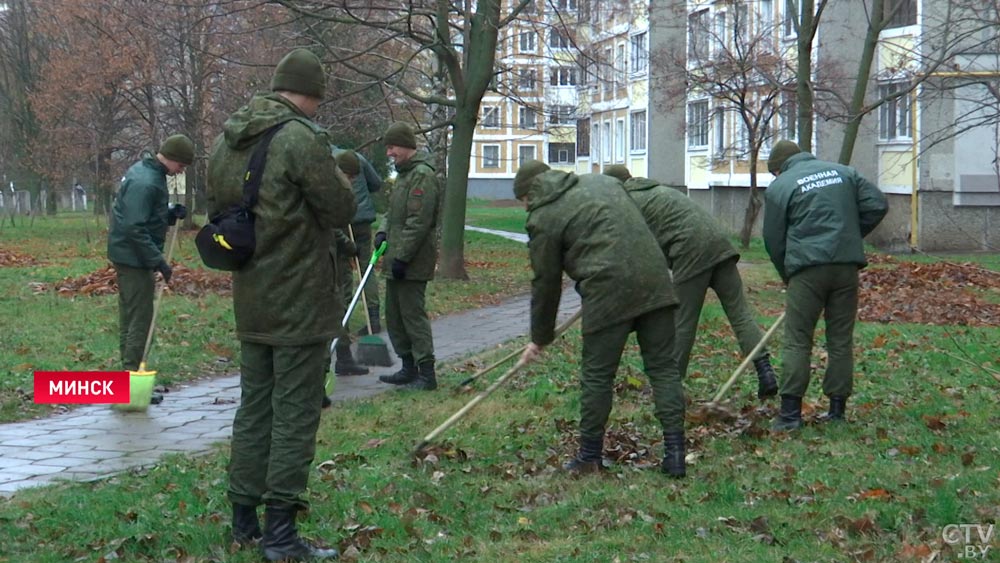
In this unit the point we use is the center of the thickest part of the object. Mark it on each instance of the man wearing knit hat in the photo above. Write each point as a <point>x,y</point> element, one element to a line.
<point>700,257</point>
<point>586,226</point>
<point>816,215</point>
<point>140,217</point>
<point>286,311</point>
<point>410,258</point>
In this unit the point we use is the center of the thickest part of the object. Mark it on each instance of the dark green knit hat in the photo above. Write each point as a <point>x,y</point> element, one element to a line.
<point>401,135</point>
<point>780,153</point>
<point>178,148</point>
<point>349,163</point>
<point>619,171</point>
<point>525,174</point>
<point>300,72</point>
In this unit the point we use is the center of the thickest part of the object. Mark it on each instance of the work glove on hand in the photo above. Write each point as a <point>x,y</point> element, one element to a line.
<point>379,239</point>
<point>165,270</point>
<point>349,248</point>
<point>175,211</point>
<point>399,269</point>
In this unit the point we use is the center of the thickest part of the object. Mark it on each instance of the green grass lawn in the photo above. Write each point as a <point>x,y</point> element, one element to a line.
<point>920,453</point>
<point>504,215</point>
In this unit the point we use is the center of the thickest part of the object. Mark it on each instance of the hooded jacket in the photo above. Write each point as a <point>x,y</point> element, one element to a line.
<point>688,235</point>
<point>588,227</point>
<point>139,216</point>
<point>283,296</point>
<point>818,212</point>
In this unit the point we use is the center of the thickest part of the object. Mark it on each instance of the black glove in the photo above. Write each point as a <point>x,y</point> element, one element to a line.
<point>399,269</point>
<point>379,239</point>
<point>349,248</point>
<point>175,211</point>
<point>165,270</point>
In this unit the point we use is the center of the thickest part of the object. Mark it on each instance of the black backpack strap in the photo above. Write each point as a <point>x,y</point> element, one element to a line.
<point>255,169</point>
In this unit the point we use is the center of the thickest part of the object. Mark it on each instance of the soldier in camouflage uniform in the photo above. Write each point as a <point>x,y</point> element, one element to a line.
<point>287,311</point>
<point>700,257</point>
<point>586,226</point>
<point>816,215</point>
<point>410,259</point>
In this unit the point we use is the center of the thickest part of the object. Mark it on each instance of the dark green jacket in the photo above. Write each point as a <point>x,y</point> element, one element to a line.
<point>690,238</point>
<point>412,219</point>
<point>818,212</point>
<point>284,295</point>
<point>587,226</point>
<point>139,215</point>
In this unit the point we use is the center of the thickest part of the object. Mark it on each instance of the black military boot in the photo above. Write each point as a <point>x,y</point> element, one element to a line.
<point>426,379</point>
<point>373,318</point>
<point>345,364</point>
<point>281,541</point>
<point>838,406</point>
<point>673,463</point>
<point>790,415</point>
<point>590,457</point>
<point>405,375</point>
<point>767,380</point>
<point>246,527</point>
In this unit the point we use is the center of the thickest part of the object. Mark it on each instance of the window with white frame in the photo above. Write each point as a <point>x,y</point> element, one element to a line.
<point>699,34</point>
<point>639,59</point>
<point>527,41</point>
<point>524,154</point>
<point>894,113</point>
<point>566,5</point>
<point>741,26</point>
<point>527,118</point>
<point>561,115</point>
<point>491,156</point>
<point>558,39</point>
<point>620,70</point>
<point>526,79</point>
<point>718,42</point>
<point>638,130</point>
<point>620,140</point>
<point>583,137</point>
<point>697,124</point>
<point>530,8</point>
<point>900,13</point>
<point>607,67</point>
<point>562,76</point>
<point>606,137</point>
<point>562,153</point>
<point>765,16</point>
<point>719,133</point>
<point>595,142</point>
<point>491,117</point>
<point>790,17</point>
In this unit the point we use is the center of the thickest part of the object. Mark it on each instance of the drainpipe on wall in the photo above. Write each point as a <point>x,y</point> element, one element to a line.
<point>914,200</point>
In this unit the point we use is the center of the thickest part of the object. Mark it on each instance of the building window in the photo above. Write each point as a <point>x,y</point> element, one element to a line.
<point>526,79</point>
<point>527,42</point>
<point>741,27</point>
<point>698,35</point>
<point>491,156</point>
<point>530,8</point>
<point>620,140</point>
<point>562,153</point>
<point>697,125</point>
<point>790,17</point>
<point>720,134</point>
<point>894,114</point>
<point>561,115</point>
<point>558,39</point>
<point>606,141</point>
<point>607,70</point>
<point>524,154</point>
<point>583,137</point>
<point>719,41</point>
<point>620,66</point>
<point>566,5</point>
<point>595,142</point>
<point>562,76</point>
<point>900,13</point>
<point>639,60</point>
<point>527,118</point>
<point>638,123</point>
<point>766,18</point>
<point>491,117</point>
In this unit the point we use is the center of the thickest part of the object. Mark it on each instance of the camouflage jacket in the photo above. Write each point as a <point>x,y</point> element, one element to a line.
<point>587,226</point>
<point>139,216</point>
<point>284,295</point>
<point>410,224</point>
<point>690,238</point>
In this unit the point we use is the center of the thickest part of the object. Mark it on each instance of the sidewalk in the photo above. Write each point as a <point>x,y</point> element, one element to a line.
<point>94,442</point>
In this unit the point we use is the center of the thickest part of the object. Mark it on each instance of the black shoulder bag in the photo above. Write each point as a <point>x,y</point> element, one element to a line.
<point>227,242</point>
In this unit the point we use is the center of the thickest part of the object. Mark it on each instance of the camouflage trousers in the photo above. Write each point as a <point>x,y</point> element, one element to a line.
<point>136,290</point>
<point>406,319</point>
<point>602,352</point>
<point>832,290</point>
<point>274,431</point>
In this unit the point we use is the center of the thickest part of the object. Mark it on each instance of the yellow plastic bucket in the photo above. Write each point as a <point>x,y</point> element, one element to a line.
<point>140,389</point>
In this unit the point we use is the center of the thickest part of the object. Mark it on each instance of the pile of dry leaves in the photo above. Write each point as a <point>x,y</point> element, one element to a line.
<point>941,293</point>
<point>185,281</point>
<point>13,259</point>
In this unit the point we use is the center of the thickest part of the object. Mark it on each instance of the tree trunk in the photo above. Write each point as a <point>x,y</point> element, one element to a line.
<point>856,110</point>
<point>803,84</point>
<point>753,205</point>
<point>452,264</point>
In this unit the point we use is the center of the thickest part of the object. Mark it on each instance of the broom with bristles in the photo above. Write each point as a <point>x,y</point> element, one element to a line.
<point>372,350</point>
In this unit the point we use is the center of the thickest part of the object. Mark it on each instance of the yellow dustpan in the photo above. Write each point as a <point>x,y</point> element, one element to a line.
<point>141,381</point>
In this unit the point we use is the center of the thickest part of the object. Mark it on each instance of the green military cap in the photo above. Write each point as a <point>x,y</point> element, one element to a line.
<point>400,134</point>
<point>619,171</point>
<point>349,163</point>
<point>178,148</point>
<point>525,174</point>
<point>780,153</point>
<point>300,72</point>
